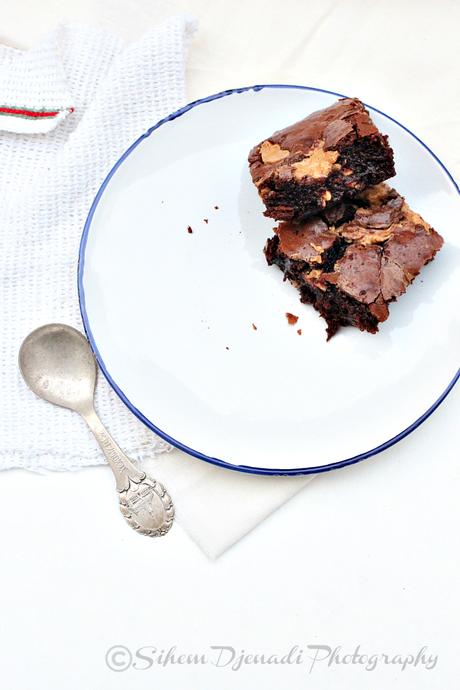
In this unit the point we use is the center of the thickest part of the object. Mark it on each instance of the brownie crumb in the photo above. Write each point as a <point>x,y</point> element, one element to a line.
<point>206,220</point>
<point>216,208</point>
<point>254,326</point>
<point>189,229</point>
<point>227,348</point>
<point>299,332</point>
<point>291,318</point>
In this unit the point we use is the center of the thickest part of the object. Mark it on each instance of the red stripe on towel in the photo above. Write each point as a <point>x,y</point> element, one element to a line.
<point>30,113</point>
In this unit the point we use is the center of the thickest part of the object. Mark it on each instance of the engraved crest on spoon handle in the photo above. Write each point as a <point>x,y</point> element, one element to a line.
<point>144,503</point>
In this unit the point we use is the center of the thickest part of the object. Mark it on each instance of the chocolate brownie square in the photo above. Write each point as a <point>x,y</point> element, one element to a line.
<point>352,263</point>
<point>330,156</point>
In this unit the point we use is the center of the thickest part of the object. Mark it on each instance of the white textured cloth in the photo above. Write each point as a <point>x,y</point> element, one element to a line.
<point>47,183</point>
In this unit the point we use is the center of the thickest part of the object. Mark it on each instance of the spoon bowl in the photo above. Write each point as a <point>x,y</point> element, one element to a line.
<point>57,363</point>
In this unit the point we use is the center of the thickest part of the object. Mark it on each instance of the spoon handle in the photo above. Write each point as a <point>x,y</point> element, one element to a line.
<point>144,502</point>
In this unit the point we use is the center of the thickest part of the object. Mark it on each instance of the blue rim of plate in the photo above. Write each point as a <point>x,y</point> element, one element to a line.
<point>119,392</point>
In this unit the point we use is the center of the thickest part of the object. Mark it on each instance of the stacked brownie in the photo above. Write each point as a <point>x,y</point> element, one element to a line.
<point>349,243</point>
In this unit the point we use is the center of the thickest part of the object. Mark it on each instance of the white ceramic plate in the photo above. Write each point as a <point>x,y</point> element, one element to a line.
<point>169,314</point>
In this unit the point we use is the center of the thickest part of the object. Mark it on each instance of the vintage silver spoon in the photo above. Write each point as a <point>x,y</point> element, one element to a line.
<point>57,363</point>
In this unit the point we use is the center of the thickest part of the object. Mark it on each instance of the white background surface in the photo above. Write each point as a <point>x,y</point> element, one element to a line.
<point>367,555</point>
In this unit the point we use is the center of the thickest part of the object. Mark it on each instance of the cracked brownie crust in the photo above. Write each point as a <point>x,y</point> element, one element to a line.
<point>352,263</point>
<point>330,156</point>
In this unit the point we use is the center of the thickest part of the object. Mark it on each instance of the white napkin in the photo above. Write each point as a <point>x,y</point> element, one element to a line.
<point>47,183</point>
<point>217,507</point>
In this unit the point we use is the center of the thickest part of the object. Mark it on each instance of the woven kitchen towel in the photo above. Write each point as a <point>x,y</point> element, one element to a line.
<point>47,183</point>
